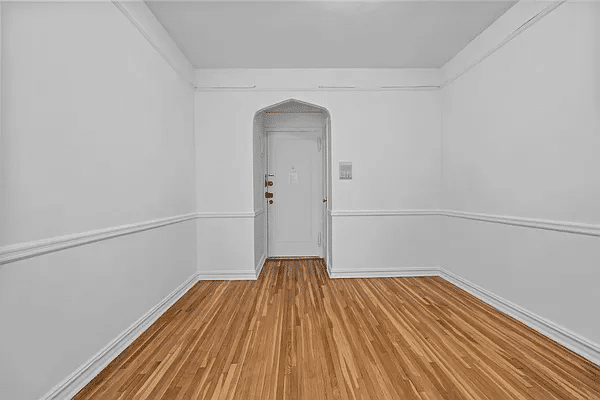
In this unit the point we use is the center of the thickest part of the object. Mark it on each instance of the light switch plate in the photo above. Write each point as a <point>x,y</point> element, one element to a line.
<point>345,170</point>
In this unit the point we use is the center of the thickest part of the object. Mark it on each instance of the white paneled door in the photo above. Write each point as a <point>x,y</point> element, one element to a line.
<point>295,210</point>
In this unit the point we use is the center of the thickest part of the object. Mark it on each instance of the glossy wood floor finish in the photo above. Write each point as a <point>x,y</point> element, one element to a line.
<point>296,334</point>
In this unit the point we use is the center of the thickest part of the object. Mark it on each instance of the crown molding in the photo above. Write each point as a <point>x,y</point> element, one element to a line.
<point>520,17</point>
<point>138,13</point>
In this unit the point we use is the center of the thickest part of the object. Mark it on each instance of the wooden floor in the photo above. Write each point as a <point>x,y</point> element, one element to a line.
<point>296,334</point>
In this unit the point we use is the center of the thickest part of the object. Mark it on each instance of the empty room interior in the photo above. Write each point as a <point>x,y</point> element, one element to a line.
<point>293,199</point>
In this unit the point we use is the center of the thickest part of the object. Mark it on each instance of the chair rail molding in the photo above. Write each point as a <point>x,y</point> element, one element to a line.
<point>383,213</point>
<point>520,17</point>
<point>560,226</point>
<point>579,228</point>
<point>23,251</point>
<point>243,214</point>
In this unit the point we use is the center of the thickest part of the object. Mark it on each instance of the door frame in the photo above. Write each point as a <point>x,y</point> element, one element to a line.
<point>322,131</point>
<point>327,171</point>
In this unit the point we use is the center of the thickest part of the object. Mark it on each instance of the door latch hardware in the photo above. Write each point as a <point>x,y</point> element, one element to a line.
<point>270,183</point>
<point>268,195</point>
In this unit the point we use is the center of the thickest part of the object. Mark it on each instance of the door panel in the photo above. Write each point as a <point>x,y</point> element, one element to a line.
<point>295,218</point>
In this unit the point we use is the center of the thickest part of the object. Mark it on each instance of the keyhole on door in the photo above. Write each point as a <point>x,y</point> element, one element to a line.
<point>270,201</point>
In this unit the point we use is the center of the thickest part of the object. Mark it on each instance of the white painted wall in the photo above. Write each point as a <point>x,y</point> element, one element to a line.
<point>1,18</point>
<point>384,243</point>
<point>521,138</point>
<point>392,138</point>
<point>97,132</point>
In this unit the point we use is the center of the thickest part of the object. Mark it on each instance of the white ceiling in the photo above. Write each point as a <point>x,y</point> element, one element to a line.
<point>337,34</point>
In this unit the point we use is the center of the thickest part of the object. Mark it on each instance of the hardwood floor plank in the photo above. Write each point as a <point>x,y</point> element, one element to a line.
<point>296,334</point>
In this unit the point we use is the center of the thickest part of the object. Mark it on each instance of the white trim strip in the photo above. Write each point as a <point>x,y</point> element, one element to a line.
<point>85,373</point>
<point>383,272</point>
<point>381,213</point>
<point>411,87</point>
<point>570,340</point>
<point>23,251</point>
<point>242,87</point>
<point>248,214</point>
<point>321,89</point>
<point>224,275</point>
<point>560,226</point>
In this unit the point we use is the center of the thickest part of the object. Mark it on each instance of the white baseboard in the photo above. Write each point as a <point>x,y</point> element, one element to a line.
<point>84,374</point>
<point>260,265</point>
<point>570,340</point>
<point>233,275</point>
<point>383,272</point>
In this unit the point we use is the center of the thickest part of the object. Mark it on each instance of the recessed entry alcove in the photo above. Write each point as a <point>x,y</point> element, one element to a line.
<point>292,181</point>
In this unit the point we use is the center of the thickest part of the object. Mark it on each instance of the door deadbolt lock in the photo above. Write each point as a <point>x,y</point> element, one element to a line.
<point>268,195</point>
<point>270,183</point>
<point>270,201</point>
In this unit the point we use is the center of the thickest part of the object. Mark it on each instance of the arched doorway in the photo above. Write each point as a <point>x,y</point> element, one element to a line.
<point>292,181</point>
